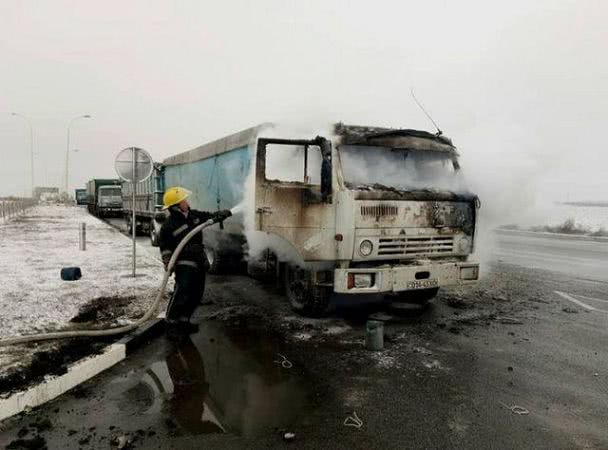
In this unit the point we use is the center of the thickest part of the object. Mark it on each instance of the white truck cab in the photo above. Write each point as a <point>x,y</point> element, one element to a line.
<point>368,211</point>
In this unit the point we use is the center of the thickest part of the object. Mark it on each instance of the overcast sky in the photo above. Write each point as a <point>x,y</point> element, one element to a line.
<point>520,86</point>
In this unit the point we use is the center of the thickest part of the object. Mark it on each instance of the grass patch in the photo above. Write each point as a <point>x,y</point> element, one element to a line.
<point>569,226</point>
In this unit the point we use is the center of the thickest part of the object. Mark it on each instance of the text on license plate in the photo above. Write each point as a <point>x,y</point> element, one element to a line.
<point>420,284</point>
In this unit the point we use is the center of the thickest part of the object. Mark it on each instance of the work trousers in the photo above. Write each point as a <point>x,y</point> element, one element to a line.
<point>188,292</point>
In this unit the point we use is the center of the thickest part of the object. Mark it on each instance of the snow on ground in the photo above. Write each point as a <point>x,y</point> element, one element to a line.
<point>34,248</point>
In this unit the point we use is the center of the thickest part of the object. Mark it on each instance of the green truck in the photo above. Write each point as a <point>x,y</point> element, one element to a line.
<point>104,197</point>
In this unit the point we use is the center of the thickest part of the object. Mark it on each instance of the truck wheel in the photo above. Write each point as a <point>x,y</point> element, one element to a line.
<point>304,298</point>
<point>214,261</point>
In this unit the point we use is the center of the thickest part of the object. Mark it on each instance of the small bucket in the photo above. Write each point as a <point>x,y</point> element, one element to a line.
<point>71,273</point>
<point>374,335</point>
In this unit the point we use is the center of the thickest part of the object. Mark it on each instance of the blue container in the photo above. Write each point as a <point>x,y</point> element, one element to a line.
<point>71,273</point>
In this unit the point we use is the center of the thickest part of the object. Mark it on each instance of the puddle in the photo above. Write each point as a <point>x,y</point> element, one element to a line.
<point>217,381</point>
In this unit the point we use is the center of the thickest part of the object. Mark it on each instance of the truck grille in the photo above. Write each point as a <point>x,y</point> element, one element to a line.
<point>379,210</point>
<point>415,245</point>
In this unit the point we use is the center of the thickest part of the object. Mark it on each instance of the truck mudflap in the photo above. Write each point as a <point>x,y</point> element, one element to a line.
<point>398,278</point>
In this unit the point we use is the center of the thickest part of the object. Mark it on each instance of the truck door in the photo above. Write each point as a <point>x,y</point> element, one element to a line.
<point>293,193</point>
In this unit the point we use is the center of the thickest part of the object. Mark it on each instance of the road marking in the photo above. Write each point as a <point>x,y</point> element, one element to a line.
<point>546,257</point>
<point>578,302</point>
<point>592,298</point>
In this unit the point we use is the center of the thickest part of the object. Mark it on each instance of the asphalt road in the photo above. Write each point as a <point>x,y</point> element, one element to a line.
<point>517,362</point>
<point>580,258</point>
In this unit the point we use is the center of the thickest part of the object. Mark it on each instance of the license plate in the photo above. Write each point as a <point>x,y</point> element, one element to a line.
<point>421,284</point>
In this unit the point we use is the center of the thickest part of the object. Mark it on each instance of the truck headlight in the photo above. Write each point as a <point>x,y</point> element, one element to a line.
<point>360,280</point>
<point>464,245</point>
<point>366,247</point>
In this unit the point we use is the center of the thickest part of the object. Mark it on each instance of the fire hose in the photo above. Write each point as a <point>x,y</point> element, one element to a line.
<point>116,330</point>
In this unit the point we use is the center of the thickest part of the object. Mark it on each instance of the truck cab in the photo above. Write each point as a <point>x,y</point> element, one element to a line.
<point>81,196</point>
<point>109,201</point>
<point>366,210</point>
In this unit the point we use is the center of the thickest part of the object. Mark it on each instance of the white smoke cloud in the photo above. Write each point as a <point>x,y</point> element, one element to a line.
<point>284,163</point>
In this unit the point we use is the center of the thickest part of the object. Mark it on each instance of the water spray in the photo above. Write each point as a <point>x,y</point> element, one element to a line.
<point>126,328</point>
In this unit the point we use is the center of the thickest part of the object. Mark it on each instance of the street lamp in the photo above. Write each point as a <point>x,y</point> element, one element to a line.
<point>29,122</point>
<point>67,151</point>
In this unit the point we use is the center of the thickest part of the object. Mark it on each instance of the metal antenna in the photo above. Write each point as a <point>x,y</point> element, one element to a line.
<point>439,132</point>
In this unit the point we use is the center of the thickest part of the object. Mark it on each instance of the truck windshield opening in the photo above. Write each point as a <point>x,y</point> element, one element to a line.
<point>293,163</point>
<point>406,170</point>
<point>110,192</point>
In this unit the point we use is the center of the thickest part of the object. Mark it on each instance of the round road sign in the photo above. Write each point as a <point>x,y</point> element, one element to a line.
<point>133,164</point>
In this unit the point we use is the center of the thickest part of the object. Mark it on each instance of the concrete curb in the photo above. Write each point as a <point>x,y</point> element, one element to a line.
<point>79,372</point>
<point>547,235</point>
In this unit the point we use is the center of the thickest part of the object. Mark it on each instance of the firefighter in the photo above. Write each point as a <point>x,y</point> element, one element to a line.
<point>191,265</point>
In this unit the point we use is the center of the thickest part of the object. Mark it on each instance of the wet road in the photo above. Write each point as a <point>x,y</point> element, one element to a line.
<point>450,377</point>
<point>213,383</point>
<point>580,258</point>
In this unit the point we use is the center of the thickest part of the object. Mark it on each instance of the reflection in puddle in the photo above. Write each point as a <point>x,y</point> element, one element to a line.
<point>191,404</point>
<point>218,381</point>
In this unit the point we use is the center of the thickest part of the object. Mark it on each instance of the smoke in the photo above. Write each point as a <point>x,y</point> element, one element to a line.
<point>404,170</point>
<point>507,176</point>
<point>285,163</point>
<point>507,187</point>
<point>362,166</point>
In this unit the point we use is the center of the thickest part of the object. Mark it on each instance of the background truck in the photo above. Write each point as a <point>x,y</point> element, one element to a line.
<point>148,202</point>
<point>363,210</point>
<point>104,197</point>
<point>81,196</point>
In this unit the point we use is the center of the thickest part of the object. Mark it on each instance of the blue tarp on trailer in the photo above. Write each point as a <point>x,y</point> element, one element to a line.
<point>217,182</point>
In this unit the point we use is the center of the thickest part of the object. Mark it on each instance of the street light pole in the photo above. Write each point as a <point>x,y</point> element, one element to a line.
<point>29,122</point>
<point>67,151</point>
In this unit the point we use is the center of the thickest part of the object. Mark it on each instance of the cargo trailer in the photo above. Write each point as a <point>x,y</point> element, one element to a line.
<point>148,202</point>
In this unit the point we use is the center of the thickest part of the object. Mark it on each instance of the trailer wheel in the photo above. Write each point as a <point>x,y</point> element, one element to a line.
<point>305,298</point>
<point>214,260</point>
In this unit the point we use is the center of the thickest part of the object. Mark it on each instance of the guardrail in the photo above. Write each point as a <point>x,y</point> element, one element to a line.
<point>13,208</point>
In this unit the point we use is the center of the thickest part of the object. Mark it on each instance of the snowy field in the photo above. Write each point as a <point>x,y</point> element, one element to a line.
<point>34,248</point>
<point>589,217</point>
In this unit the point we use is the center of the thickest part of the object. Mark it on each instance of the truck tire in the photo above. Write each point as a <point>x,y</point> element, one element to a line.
<point>305,298</point>
<point>215,261</point>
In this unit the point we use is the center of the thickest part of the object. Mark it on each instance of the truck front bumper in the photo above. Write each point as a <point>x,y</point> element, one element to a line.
<point>398,278</point>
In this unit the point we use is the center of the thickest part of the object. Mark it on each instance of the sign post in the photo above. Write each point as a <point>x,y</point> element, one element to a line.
<point>133,165</point>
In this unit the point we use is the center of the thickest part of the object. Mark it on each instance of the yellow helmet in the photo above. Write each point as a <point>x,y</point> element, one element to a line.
<point>175,195</point>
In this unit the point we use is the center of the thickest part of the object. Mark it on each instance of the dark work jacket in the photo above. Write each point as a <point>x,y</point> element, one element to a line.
<point>175,228</point>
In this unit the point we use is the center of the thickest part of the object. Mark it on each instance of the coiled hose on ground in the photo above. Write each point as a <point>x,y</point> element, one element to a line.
<point>118,330</point>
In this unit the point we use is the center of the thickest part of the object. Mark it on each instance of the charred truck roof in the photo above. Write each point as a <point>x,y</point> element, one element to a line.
<point>405,139</point>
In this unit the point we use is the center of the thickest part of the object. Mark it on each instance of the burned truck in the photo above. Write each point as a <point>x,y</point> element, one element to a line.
<point>362,210</point>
